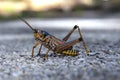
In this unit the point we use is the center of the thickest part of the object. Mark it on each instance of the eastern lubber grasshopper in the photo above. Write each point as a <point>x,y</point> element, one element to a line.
<point>54,44</point>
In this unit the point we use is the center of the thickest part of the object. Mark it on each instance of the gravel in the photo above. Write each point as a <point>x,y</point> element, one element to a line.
<point>103,62</point>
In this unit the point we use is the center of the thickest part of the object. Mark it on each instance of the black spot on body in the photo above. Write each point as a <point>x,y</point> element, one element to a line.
<point>45,33</point>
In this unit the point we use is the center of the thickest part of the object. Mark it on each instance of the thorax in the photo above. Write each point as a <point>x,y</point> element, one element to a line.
<point>51,42</point>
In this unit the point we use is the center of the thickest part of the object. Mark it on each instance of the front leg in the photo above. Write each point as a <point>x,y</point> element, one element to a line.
<point>39,50</point>
<point>35,45</point>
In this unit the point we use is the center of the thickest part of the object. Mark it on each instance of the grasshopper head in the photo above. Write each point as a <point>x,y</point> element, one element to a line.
<point>38,35</point>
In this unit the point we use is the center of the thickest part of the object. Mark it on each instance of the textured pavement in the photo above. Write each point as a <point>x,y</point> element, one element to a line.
<point>16,63</point>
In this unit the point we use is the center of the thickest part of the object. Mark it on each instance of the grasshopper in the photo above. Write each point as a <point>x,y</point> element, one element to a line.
<point>54,44</point>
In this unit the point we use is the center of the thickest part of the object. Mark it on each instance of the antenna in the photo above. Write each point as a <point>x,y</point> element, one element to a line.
<point>26,23</point>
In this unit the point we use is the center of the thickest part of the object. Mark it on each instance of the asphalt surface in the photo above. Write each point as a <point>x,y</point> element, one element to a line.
<point>103,62</point>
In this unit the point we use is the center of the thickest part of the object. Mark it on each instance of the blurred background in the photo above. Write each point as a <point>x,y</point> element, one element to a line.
<point>55,7</point>
<point>13,7</point>
<point>59,14</point>
<point>90,14</point>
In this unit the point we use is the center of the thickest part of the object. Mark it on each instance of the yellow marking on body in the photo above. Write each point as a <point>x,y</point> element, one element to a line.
<point>69,52</point>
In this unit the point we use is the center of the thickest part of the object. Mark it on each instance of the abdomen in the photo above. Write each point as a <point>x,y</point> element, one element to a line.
<point>70,53</point>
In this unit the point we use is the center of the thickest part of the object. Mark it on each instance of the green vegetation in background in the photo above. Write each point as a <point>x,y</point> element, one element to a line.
<point>12,17</point>
<point>46,14</point>
<point>77,11</point>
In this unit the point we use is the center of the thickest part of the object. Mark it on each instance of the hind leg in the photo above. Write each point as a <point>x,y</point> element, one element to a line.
<point>67,45</point>
<point>69,34</point>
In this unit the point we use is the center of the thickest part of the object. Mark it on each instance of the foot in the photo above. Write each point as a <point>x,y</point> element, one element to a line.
<point>38,55</point>
<point>45,57</point>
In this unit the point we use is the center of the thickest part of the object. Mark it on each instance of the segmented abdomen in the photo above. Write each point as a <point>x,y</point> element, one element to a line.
<point>70,52</point>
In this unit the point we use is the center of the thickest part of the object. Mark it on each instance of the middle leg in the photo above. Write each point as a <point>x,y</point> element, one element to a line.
<point>46,55</point>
